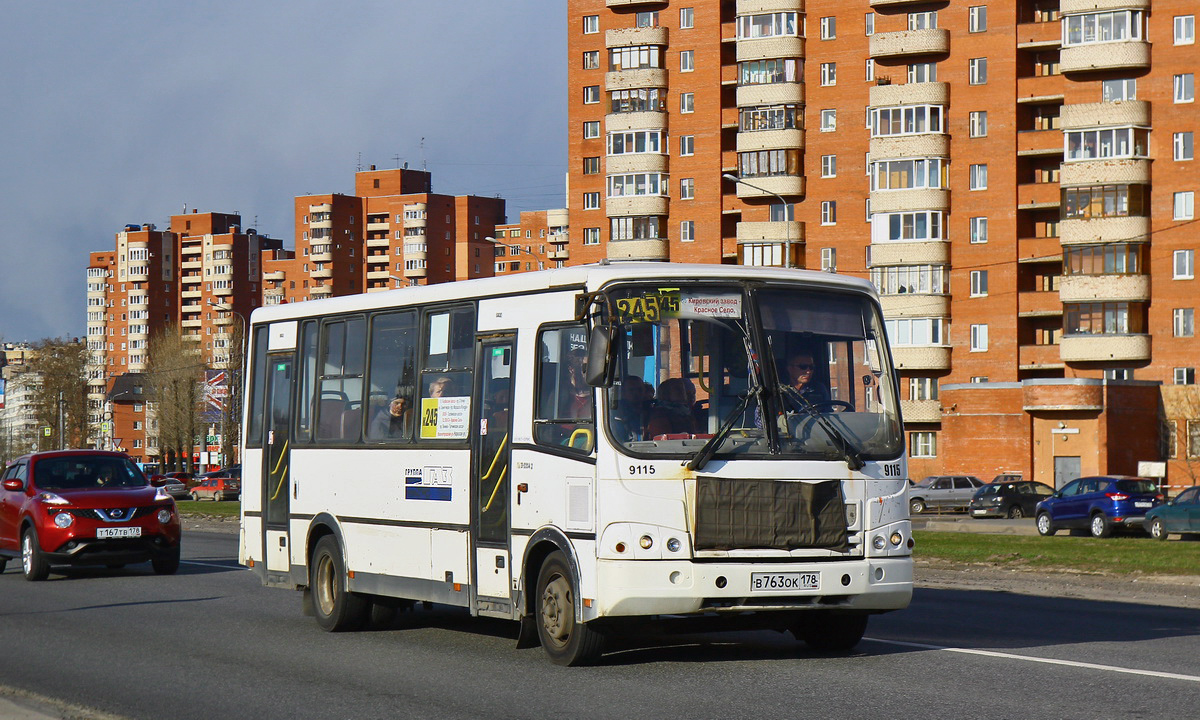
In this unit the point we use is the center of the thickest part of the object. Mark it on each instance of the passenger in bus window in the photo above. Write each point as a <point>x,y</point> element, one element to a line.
<point>629,410</point>
<point>442,387</point>
<point>392,421</point>
<point>672,412</point>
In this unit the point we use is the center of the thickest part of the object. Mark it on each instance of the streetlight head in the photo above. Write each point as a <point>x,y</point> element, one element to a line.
<point>732,178</point>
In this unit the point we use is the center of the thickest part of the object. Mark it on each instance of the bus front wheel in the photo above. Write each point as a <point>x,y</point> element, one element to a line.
<point>336,608</point>
<point>831,632</point>
<point>564,638</point>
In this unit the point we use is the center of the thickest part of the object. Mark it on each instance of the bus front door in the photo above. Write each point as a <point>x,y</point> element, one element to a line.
<point>276,478</point>
<point>490,474</point>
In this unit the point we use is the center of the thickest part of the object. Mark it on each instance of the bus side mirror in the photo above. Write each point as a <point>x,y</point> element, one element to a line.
<point>599,369</point>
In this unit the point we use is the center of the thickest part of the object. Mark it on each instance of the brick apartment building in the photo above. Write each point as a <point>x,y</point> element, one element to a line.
<point>538,242</point>
<point>1016,178</point>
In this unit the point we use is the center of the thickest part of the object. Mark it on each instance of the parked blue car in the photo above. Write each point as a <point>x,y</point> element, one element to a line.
<point>1098,504</point>
<point>1181,515</point>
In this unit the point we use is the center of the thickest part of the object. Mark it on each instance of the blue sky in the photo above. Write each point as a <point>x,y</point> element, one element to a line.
<point>126,112</point>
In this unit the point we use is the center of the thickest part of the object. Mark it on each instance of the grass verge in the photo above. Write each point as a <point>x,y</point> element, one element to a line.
<point>227,508</point>
<point>1119,554</point>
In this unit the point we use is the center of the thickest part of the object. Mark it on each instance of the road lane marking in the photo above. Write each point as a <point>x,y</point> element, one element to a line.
<point>212,565</point>
<point>1048,661</point>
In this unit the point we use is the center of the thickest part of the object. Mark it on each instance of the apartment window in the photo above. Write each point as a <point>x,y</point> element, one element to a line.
<point>1103,27</point>
<point>1184,264</point>
<point>908,174</point>
<point>977,379</point>
<point>765,72</point>
<point>687,102</point>
<point>1185,376</point>
<point>1107,259</point>
<point>687,188</point>
<point>922,444</point>
<point>977,71</point>
<point>687,145</point>
<point>591,201</point>
<point>922,72</point>
<point>828,120</point>
<point>1169,439</point>
<point>905,120</point>
<point>979,230</point>
<point>1185,29</point>
<point>634,184</point>
<point>870,70</point>
<point>636,141</point>
<point>828,28</point>
<point>783,213</point>
<point>1097,201</point>
<point>979,338</point>
<point>769,163</point>
<point>591,24</point>
<point>1183,146</point>
<point>647,19</point>
<point>977,18</point>
<point>644,227</point>
<point>978,123</point>
<point>1118,90</point>
<point>764,25</point>
<point>1183,322</point>
<point>828,166</point>
<point>591,166</point>
<point>979,177</point>
<point>979,283</point>
<point>687,61</point>
<point>1185,204</point>
<point>920,226</point>
<point>638,100</point>
<point>922,20</point>
<point>635,57</point>
<point>922,388</point>
<point>687,18</point>
<point>591,236</point>
<point>1128,142</point>
<point>828,256</point>
<point>591,94</point>
<point>687,231</point>
<point>869,24</point>
<point>829,212</point>
<point>769,117</point>
<point>1118,374</point>
<point>591,60</point>
<point>914,331</point>
<point>1185,88</point>
<point>591,129</point>
<point>1193,441</point>
<point>829,73</point>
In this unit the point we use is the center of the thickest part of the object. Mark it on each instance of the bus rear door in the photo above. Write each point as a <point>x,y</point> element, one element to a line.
<point>490,474</point>
<point>276,465</point>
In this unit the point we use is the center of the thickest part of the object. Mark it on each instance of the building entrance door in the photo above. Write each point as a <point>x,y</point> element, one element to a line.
<point>1066,469</point>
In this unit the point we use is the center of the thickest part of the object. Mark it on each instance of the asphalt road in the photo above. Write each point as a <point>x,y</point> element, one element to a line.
<point>211,642</point>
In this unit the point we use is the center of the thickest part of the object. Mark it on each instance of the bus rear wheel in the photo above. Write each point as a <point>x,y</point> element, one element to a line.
<point>336,608</point>
<point>564,638</point>
<point>829,631</point>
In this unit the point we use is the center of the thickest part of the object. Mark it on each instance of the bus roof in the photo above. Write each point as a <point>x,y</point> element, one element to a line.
<point>591,277</point>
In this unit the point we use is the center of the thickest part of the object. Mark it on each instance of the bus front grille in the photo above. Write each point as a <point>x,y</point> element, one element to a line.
<point>734,514</point>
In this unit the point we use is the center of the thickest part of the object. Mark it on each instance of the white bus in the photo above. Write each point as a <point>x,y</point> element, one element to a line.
<point>582,448</point>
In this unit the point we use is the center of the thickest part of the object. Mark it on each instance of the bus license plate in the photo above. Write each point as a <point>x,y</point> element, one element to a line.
<point>118,532</point>
<point>783,582</point>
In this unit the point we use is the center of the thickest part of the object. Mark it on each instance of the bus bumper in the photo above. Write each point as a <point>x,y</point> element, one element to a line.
<point>633,587</point>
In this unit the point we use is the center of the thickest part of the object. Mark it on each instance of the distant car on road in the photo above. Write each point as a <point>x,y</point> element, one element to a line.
<point>1180,515</point>
<point>1098,504</point>
<point>174,487</point>
<point>1009,499</point>
<point>942,491</point>
<point>216,485</point>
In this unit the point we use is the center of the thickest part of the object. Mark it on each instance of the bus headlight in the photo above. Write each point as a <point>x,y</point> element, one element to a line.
<point>64,520</point>
<point>673,545</point>
<point>879,543</point>
<point>646,542</point>
<point>896,539</point>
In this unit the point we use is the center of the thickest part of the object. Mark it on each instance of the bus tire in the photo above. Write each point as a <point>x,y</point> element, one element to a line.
<point>335,608</point>
<point>566,640</point>
<point>831,632</point>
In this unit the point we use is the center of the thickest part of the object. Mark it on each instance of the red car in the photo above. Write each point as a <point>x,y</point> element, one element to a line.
<point>85,507</point>
<point>216,485</point>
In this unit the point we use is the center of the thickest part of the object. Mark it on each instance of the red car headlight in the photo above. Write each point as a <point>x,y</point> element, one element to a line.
<point>64,520</point>
<point>164,515</point>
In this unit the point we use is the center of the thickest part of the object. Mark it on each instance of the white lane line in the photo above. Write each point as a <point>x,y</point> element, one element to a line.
<point>1048,661</point>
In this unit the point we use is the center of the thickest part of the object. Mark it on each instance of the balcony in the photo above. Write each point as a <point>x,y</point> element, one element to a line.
<point>1039,142</point>
<point>378,274</point>
<point>191,264</point>
<point>1101,230</point>
<point>1105,114</point>
<point>908,146</point>
<point>319,224</point>
<point>1075,7</point>
<point>1035,35</point>
<point>756,232</point>
<point>928,93</point>
<point>377,259</point>
<point>928,357</point>
<point>378,226</point>
<point>915,305</point>
<point>1038,196</point>
<point>563,254</point>
<point>321,257</point>
<point>771,47</point>
<point>1127,55</point>
<point>932,252</point>
<point>1040,89</point>
<point>632,3</point>
<point>636,163</point>
<point>321,291</point>
<point>190,323</point>
<point>322,274</point>
<point>887,4</point>
<point>222,291</point>
<point>1100,172</point>
<point>921,411</point>
<point>780,93</point>
<point>785,185</point>
<point>641,120</point>
<point>636,205</point>
<point>187,294</point>
<point>191,308</point>
<point>648,249</point>
<point>378,242</point>
<point>1104,288</point>
<point>770,140</point>
<point>414,272</point>
<point>323,207</point>
<point>637,78</point>
<point>1039,304</point>
<point>907,43</point>
<point>916,199</point>
<point>1039,249</point>
<point>1039,357</point>
<point>627,37</point>
<point>1105,348</point>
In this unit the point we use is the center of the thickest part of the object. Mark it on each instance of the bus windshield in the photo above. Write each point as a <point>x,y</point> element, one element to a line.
<point>736,370</point>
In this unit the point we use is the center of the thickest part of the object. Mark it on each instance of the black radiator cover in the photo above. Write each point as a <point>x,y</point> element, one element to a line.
<point>745,514</point>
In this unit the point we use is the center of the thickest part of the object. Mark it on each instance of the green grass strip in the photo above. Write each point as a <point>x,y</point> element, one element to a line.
<point>228,508</point>
<point>1119,554</point>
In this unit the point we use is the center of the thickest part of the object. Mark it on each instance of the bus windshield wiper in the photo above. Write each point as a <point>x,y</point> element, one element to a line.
<point>851,454</point>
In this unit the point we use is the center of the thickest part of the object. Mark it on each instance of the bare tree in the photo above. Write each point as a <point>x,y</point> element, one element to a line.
<point>1179,418</point>
<point>231,414</point>
<point>174,372</point>
<point>60,398</point>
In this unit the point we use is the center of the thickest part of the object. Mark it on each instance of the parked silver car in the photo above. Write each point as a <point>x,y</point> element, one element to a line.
<point>942,491</point>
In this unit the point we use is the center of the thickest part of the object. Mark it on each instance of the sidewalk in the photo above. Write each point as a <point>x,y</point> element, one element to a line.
<point>965,523</point>
<point>20,705</point>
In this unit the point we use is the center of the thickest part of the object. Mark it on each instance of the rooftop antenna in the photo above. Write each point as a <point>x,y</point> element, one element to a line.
<point>423,168</point>
<point>396,159</point>
<point>358,167</point>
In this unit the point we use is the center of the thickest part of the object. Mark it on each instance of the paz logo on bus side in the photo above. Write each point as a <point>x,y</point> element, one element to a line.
<point>428,483</point>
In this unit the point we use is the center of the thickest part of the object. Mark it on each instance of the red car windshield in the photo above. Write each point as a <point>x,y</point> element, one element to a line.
<point>81,472</point>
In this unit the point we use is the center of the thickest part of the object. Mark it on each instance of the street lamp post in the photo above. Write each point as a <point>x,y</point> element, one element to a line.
<point>233,382</point>
<point>787,227</point>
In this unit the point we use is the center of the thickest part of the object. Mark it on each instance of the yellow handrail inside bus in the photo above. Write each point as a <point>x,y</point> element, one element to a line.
<point>282,475</point>
<point>587,439</point>
<point>499,480</point>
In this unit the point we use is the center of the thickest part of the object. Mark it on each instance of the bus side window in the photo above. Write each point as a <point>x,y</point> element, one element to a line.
<point>391,388</point>
<point>446,373</point>
<point>341,386</point>
<point>565,415</point>
<point>258,388</point>
<point>307,399</point>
